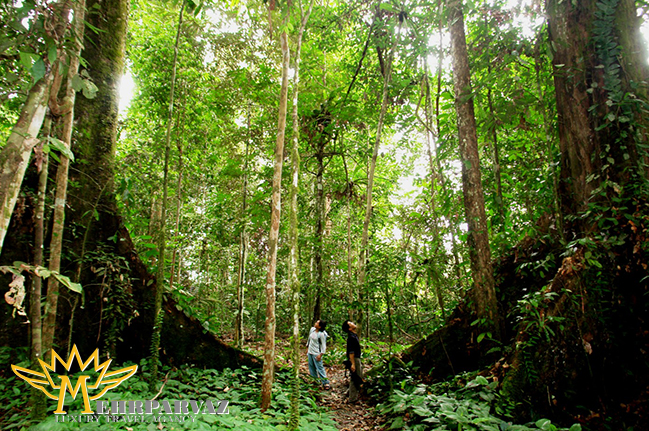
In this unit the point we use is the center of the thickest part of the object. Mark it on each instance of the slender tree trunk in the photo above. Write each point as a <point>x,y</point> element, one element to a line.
<point>483,292</point>
<point>294,270</point>
<point>350,283</point>
<point>37,400</point>
<point>66,107</point>
<point>319,229</point>
<point>179,203</point>
<point>160,275</point>
<point>14,157</point>
<point>276,205</point>
<point>179,196</point>
<point>496,160</point>
<point>243,247</point>
<point>362,261</point>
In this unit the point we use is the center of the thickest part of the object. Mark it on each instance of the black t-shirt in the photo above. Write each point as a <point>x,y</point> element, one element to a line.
<point>353,345</point>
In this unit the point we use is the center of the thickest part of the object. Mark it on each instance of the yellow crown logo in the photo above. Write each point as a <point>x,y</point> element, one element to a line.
<point>105,381</point>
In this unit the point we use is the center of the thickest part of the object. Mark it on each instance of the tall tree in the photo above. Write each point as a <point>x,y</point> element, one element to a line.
<point>362,261</point>
<point>273,237</point>
<point>483,293</point>
<point>294,270</point>
<point>161,234</point>
<point>65,110</point>
<point>243,247</point>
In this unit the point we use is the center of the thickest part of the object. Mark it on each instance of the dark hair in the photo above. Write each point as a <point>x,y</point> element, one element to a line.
<point>323,324</point>
<point>346,327</point>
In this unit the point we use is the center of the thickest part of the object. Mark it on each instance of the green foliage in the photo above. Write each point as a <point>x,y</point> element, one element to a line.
<point>118,307</point>
<point>453,405</point>
<point>239,387</point>
<point>39,271</point>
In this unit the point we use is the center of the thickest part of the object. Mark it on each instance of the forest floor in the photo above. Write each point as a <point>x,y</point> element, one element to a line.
<point>348,417</point>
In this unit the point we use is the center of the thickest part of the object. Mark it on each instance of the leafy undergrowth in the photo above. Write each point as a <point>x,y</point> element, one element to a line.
<point>451,405</point>
<point>240,387</point>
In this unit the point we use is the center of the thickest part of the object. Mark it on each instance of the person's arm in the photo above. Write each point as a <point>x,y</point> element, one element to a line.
<point>351,359</point>
<point>308,340</point>
<point>323,347</point>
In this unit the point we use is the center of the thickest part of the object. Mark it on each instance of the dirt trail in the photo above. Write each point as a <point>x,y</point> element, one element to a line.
<point>349,417</point>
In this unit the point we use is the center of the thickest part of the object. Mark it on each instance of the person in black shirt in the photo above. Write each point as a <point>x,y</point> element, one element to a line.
<point>354,357</point>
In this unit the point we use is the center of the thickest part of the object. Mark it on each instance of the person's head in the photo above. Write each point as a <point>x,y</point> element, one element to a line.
<point>349,326</point>
<point>321,325</point>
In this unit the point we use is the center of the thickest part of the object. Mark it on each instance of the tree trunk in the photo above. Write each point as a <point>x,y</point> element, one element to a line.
<point>598,56</point>
<point>92,205</point>
<point>362,260</point>
<point>319,228</point>
<point>276,205</point>
<point>483,292</point>
<point>496,163</point>
<point>179,200</point>
<point>239,335</point>
<point>66,106</point>
<point>14,157</point>
<point>294,269</point>
<point>37,400</point>
<point>549,146</point>
<point>160,275</point>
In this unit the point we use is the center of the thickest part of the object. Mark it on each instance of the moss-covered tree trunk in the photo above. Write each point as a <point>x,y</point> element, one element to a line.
<point>92,215</point>
<point>599,67</point>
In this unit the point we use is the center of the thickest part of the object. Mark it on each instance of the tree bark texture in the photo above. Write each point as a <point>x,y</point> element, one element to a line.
<point>58,223</point>
<point>239,335</point>
<point>294,268</point>
<point>14,156</point>
<point>598,55</point>
<point>276,206</point>
<point>483,291</point>
<point>92,211</point>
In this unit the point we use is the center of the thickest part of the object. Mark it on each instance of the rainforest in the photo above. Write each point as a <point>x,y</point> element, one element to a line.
<point>194,191</point>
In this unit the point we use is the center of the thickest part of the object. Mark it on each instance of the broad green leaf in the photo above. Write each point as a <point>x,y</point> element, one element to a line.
<point>61,147</point>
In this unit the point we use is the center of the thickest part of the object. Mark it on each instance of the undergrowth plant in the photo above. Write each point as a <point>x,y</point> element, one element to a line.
<point>240,387</point>
<point>476,405</point>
